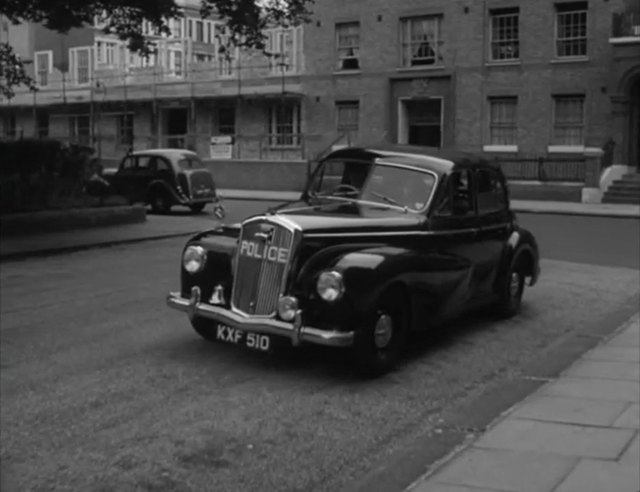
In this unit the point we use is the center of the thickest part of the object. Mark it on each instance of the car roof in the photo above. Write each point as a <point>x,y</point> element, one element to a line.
<point>171,153</point>
<point>430,158</point>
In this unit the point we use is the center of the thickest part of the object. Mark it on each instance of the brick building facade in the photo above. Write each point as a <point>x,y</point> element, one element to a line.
<point>508,78</point>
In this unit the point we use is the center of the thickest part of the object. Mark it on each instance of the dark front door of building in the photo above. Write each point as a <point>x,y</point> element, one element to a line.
<point>176,127</point>
<point>424,122</point>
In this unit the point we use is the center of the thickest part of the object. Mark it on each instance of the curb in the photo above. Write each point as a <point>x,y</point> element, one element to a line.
<point>22,255</point>
<point>591,213</point>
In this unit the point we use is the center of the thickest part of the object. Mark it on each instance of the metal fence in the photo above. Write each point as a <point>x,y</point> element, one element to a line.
<point>568,169</point>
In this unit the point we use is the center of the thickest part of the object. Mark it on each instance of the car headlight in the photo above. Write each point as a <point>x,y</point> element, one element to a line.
<point>330,285</point>
<point>194,258</point>
<point>287,308</point>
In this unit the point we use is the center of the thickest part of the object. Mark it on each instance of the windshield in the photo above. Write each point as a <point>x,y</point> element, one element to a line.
<point>375,182</point>
<point>190,162</point>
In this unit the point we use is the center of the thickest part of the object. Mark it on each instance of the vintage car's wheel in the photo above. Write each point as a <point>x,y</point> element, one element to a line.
<point>160,202</point>
<point>197,207</point>
<point>378,347</point>
<point>511,300</point>
<point>205,328</point>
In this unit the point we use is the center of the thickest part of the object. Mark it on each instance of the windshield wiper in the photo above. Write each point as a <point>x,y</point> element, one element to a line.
<point>388,199</point>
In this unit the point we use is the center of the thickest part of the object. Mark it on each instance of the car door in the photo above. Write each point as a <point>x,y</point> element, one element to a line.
<point>495,225</point>
<point>454,233</point>
<point>143,175</point>
<point>124,177</point>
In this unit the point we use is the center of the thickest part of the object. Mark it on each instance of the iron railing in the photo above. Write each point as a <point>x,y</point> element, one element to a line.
<point>569,169</point>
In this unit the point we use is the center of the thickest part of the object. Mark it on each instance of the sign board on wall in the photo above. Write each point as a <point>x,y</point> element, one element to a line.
<point>221,147</point>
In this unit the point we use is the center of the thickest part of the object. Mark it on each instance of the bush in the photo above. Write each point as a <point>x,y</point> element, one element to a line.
<point>42,174</point>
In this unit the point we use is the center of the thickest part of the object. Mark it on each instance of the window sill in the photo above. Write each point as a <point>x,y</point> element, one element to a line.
<point>571,59</point>
<point>625,40</point>
<point>420,68</point>
<point>500,148</point>
<point>503,63</point>
<point>565,149</point>
<point>347,72</point>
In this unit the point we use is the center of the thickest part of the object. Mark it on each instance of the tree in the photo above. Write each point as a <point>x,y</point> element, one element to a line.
<point>245,20</point>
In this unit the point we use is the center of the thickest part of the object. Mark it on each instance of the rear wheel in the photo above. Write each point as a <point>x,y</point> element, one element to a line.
<point>160,202</point>
<point>197,207</point>
<point>379,345</point>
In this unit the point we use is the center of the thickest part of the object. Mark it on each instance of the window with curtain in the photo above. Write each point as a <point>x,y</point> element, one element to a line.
<point>421,43</point>
<point>284,124</point>
<point>348,45</point>
<point>504,34</point>
<point>568,120</point>
<point>503,120</point>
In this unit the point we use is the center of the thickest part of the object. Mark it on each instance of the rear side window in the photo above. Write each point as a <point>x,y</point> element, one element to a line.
<point>458,199</point>
<point>492,195</point>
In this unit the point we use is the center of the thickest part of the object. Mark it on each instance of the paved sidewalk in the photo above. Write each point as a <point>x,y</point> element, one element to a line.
<point>578,433</point>
<point>531,206</point>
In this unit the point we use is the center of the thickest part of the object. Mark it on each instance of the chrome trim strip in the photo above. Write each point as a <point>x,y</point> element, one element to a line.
<point>270,326</point>
<point>495,226</point>
<point>391,233</point>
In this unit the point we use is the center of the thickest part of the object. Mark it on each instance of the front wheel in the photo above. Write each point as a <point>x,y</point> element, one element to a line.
<point>511,295</point>
<point>379,345</point>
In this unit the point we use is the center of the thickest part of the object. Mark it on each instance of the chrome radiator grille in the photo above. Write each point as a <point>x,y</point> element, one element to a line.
<point>264,250</point>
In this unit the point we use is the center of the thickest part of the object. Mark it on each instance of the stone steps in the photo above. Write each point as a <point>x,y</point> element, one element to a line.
<point>625,190</point>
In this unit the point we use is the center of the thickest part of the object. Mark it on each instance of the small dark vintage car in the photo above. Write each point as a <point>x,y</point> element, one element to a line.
<point>383,241</point>
<point>163,178</point>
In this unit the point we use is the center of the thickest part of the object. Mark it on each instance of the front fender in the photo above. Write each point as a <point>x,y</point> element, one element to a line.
<point>521,247</point>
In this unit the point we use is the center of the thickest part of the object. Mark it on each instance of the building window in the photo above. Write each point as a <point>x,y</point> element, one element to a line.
<point>227,54</point>
<point>503,121</point>
<point>107,53</point>
<point>44,67</point>
<point>175,63</point>
<point>571,29</point>
<point>80,65</point>
<point>347,116</point>
<point>9,126</point>
<point>568,120</point>
<point>176,28</point>
<point>80,129</point>
<point>42,124</point>
<point>199,31</point>
<point>284,124</point>
<point>348,45</point>
<point>282,48</point>
<point>224,120</point>
<point>125,129</point>
<point>505,43</point>
<point>190,28</point>
<point>421,43</point>
<point>203,57</point>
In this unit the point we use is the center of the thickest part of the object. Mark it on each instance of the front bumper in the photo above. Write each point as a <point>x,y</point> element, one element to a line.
<point>270,326</point>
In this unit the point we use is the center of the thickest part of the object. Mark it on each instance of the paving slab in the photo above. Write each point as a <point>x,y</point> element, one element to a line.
<point>615,354</point>
<point>443,487</point>
<point>631,455</point>
<point>601,476</point>
<point>561,439</point>
<point>582,411</point>
<point>595,389</point>
<point>604,369</point>
<point>630,419</point>
<point>521,471</point>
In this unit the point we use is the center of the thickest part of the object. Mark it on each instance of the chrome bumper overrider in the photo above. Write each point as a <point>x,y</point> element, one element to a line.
<point>298,333</point>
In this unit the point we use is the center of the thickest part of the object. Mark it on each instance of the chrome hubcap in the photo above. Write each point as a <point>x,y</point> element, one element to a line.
<point>383,331</point>
<point>514,284</point>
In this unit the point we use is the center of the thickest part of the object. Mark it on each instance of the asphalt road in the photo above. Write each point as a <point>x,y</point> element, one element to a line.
<point>104,388</point>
